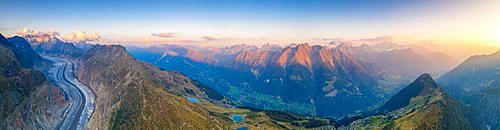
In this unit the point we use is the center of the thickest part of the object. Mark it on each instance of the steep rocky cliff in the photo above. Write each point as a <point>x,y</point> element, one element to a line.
<point>27,99</point>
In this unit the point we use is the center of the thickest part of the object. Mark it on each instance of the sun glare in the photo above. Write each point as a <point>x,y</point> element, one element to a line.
<point>495,37</point>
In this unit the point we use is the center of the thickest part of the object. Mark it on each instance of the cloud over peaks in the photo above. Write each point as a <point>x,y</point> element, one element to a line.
<point>28,32</point>
<point>82,36</point>
<point>39,36</point>
<point>210,38</point>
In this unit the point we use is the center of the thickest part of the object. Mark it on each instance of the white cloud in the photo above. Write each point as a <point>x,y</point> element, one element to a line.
<point>82,36</point>
<point>76,36</point>
<point>39,36</point>
<point>28,32</point>
<point>169,34</point>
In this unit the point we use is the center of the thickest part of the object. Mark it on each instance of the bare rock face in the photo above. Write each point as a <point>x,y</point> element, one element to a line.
<point>43,109</point>
<point>134,95</point>
<point>27,99</point>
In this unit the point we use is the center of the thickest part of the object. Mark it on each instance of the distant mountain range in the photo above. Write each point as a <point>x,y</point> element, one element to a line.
<point>53,46</point>
<point>476,81</point>
<point>317,80</point>
<point>476,74</point>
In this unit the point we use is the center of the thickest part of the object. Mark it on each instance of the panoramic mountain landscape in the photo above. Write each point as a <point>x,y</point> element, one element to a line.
<point>242,65</point>
<point>360,75</point>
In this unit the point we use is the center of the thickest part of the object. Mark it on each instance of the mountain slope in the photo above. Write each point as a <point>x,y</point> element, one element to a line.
<point>131,95</point>
<point>422,105</point>
<point>27,56</point>
<point>477,81</point>
<point>488,103</point>
<point>423,86</point>
<point>27,99</point>
<point>432,108</point>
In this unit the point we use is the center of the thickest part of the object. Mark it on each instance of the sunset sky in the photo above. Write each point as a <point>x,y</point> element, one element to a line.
<point>275,21</point>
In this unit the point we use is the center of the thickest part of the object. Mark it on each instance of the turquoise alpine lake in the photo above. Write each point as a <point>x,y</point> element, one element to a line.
<point>237,118</point>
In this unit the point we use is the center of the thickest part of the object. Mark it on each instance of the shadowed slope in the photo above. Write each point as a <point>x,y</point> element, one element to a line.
<point>27,99</point>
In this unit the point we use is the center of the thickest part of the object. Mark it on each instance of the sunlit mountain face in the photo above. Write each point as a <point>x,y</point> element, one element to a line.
<point>250,64</point>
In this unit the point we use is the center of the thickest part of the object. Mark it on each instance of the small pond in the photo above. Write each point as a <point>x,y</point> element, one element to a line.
<point>192,99</point>
<point>237,118</point>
